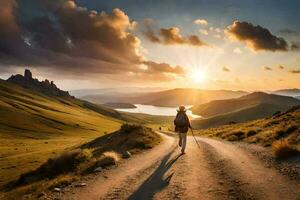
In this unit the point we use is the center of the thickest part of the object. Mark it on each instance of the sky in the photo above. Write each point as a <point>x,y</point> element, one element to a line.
<point>208,44</point>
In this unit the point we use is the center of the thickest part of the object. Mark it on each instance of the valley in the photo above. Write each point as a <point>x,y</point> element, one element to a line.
<point>39,125</point>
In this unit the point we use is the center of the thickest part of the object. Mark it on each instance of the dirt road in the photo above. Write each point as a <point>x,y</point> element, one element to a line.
<point>218,170</point>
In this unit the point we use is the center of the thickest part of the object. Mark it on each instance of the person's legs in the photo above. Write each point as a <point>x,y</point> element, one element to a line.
<point>180,139</point>
<point>183,136</point>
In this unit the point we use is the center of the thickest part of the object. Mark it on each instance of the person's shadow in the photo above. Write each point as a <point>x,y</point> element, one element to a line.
<point>156,180</point>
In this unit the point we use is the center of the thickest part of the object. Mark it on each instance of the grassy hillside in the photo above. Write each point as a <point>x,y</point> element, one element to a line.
<point>243,115</point>
<point>172,97</point>
<point>64,168</point>
<point>218,107</point>
<point>249,107</point>
<point>34,127</point>
<point>265,131</point>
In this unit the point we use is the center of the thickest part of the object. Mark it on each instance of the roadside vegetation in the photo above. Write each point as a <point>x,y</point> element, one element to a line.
<point>35,127</point>
<point>281,130</point>
<point>87,158</point>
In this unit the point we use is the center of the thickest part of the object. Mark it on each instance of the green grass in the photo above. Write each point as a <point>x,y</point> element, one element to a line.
<point>34,127</point>
<point>246,114</point>
<point>69,165</point>
<point>263,131</point>
<point>249,107</point>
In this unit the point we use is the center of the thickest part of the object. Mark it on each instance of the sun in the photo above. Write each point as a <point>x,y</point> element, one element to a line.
<point>198,76</point>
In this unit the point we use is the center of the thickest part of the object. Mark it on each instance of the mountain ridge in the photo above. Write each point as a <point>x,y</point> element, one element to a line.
<point>46,87</point>
<point>168,98</point>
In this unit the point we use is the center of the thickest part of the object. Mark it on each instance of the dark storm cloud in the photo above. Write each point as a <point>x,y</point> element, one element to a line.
<point>256,37</point>
<point>170,36</point>
<point>71,39</point>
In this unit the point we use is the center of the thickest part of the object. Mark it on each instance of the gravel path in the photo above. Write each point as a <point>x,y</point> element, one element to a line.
<point>216,170</point>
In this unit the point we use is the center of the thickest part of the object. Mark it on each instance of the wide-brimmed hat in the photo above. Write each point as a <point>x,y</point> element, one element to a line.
<point>181,108</point>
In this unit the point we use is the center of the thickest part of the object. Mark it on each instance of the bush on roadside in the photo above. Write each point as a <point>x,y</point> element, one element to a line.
<point>232,138</point>
<point>65,163</point>
<point>108,159</point>
<point>251,133</point>
<point>128,128</point>
<point>282,149</point>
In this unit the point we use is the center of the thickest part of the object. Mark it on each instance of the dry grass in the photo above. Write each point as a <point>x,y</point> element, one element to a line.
<point>101,152</point>
<point>34,190</point>
<point>282,149</point>
<point>65,163</point>
<point>282,126</point>
<point>108,158</point>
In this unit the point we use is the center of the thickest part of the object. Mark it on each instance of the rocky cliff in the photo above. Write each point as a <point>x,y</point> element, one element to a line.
<point>46,87</point>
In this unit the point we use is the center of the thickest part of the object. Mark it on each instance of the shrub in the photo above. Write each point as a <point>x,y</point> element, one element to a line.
<point>64,163</point>
<point>285,132</point>
<point>291,129</point>
<point>128,128</point>
<point>239,134</point>
<point>251,133</point>
<point>107,159</point>
<point>84,155</point>
<point>282,149</point>
<point>232,138</point>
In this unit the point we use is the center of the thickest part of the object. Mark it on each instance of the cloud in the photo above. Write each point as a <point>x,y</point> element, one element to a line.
<point>256,38</point>
<point>280,67</point>
<point>201,22</point>
<point>203,31</point>
<point>171,36</point>
<point>268,68</point>
<point>295,71</point>
<point>226,69</point>
<point>70,39</point>
<point>237,50</point>
<point>154,67</point>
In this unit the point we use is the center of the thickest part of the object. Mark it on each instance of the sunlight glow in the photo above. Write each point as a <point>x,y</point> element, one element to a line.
<point>198,75</point>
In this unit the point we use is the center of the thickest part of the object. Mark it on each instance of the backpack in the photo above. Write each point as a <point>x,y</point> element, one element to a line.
<point>181,120</point>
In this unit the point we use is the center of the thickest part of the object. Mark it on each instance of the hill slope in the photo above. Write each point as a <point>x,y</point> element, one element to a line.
<point>288,92</point>
<point>35,126</point>
<point>226,106</point>
<point>283,125</point>
<point>171,98</point>
<point>249,107</point>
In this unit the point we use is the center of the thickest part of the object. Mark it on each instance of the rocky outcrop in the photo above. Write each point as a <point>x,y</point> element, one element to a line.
<point>46,87</point>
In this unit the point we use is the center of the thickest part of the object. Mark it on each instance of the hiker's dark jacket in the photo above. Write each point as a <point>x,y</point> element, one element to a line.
<point>182,129</point>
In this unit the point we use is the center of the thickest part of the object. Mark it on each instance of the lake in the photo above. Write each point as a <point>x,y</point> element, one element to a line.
<point>156,110</point>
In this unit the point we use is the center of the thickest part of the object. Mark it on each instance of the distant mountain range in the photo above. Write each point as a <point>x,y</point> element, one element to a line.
<point>172,98</point>
<point>288,92</point>
<point>119,105</point>
<point>249,107</point>
<point>114,91</point>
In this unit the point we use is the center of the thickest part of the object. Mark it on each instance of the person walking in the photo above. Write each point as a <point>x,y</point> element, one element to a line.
<point>182,125</point>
